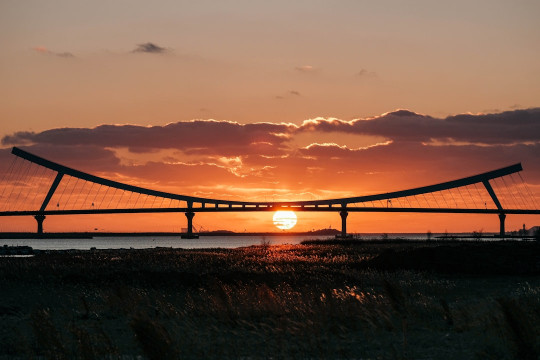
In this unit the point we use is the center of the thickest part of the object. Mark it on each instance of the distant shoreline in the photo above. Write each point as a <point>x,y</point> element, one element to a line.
<point>87,235</point>
<point>324,232</point>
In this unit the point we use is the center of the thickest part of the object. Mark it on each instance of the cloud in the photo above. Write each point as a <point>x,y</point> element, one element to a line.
<point>150,48</point>
<point>93,158</point>
<point>333,150</point>
<point>365,74</point>
<point>187,174</point>
<point>414,161</point>
<point>510,127</point>
<point>186,177</point>
<point>43,50</point>
<point>65,55</point>
<point>193,137</point>
<point>289,94</point>
<point>230,138</point>
<point>305,68</point>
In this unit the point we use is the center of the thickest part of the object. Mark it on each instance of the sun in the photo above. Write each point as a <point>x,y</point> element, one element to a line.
<point>284,220</point>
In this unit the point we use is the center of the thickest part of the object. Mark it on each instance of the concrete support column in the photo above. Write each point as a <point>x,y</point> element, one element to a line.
<point>39,218</point>
<point>502,217</point>
<point>189,216</point>
<point>343,214</point>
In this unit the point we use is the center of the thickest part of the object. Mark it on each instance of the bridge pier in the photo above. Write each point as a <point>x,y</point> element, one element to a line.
<point>502,217</point>
<point>343,213</point>
<point>39,218</point>
<point>189,234</point>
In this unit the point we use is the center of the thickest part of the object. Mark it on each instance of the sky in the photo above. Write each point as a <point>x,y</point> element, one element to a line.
<point>274,100</point>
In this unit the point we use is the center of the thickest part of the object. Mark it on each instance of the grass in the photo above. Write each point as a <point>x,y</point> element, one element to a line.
<point>362,300</point>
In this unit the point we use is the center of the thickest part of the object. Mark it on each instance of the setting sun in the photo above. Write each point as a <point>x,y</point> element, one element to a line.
<point>284,220</point>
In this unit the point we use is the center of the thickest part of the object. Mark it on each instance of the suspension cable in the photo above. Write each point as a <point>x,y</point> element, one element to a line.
<point>21,186</point>
<point>472,197</point>
<point>63,190</point>
<point>71,193</point>
<point>14,174</point>
<point>528,191</point>
<point>89,192</point>
<point>5,178</point>
<point>519,193</point>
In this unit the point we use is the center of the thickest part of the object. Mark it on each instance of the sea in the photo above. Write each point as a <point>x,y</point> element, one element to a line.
<point>203,242</point>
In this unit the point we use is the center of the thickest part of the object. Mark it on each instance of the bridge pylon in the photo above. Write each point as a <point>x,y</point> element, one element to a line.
<point>189,234</point>
<point>39,218</point>
<point>502,217</point>
<point>344,213</point>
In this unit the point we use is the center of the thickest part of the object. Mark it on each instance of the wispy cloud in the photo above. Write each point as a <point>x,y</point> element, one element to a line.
<point>305,68</point>
<point>43,50</point>
<point>366,74</point>
<point>290,93</point>
<point>150,48</point>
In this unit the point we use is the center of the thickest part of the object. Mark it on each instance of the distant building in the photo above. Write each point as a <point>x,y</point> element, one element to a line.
<point>527,232</point>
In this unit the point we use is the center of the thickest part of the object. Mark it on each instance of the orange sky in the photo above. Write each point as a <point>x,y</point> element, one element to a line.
<point>273,101</point>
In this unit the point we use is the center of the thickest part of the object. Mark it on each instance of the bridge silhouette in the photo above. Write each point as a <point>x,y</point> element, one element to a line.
<point>34,186</point>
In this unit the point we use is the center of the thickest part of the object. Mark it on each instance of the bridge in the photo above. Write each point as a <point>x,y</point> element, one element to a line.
<point>34,186</point>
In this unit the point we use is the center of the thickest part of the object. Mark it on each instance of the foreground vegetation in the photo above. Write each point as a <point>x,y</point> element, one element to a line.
<point>359,300</point>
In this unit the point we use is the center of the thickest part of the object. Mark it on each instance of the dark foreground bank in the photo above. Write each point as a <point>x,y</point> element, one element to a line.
<point>376,300</point>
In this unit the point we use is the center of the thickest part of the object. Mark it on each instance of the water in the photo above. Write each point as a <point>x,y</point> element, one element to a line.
<point>146,242</point>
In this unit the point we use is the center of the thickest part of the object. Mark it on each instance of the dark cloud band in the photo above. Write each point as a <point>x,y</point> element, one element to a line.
<point>510,127</point>
<point>198,136</point>
<point>231,138</point>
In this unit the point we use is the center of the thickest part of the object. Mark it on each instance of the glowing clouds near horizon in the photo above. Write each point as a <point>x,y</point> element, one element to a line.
<point>284,220</point>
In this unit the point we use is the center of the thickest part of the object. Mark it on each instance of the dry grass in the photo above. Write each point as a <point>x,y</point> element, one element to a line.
<point>297,302</point>
<point>520,329</point>
<point>48,339</point>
